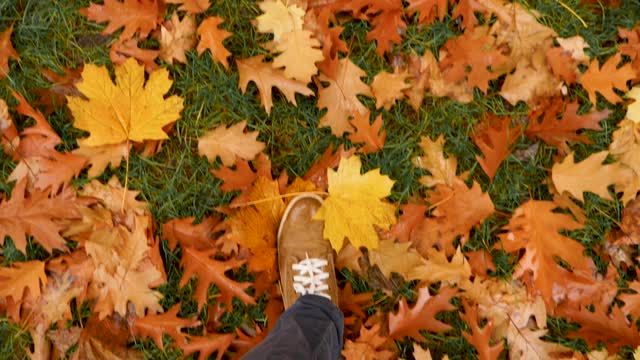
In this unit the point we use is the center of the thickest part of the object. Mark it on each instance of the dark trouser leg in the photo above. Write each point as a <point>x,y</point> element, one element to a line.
<point>311,329</point>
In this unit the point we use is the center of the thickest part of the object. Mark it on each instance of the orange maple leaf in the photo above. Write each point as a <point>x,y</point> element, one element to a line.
<point>409,321</point>
<point>212,38</point>
<point>607,78</point>
<point>495,142</point>
<point>6,51</point>
<point>136,16</point>
<point>367,133</point>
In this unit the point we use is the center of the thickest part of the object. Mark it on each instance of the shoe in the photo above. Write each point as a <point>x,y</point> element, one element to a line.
<point>305,257</point>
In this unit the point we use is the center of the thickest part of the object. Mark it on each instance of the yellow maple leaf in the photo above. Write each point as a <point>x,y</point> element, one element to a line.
<point>127,110</point>
<point>355,205</point>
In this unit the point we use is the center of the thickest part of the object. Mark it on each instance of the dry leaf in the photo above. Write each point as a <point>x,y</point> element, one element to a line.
<point>443,170</point>
<point>278,18</point>
<point>180,36</point>
<point>298,54</point>
<point>125,110</point>
<point>495,142</point>
<point>607,78</point>
<point>388,88</point>
<point>437,268</point>
<point>391,256</point>
<point>121,51</point>
<point>191,6</point>
<point>230,143</point>
<point>136,16</point>
<point>6,51</point>
<point>366,133</point>
<point>212,38</point>
<point>409,321</point>
<point>354,205</point>
<point>155,326</point>
<point>20,277</point>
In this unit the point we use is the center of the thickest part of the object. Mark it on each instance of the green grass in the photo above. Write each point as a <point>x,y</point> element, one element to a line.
<point>177,182</point>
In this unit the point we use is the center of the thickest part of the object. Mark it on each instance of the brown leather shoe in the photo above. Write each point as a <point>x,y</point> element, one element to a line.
<point>305,258</point>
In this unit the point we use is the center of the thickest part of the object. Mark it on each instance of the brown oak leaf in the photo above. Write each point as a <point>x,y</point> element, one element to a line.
<point>495,141</point>
<point>230,143</point>
<point>429,10</point>
<point>387,27</point>
<point>154,326</point>
<point>64,85</point>
<point>136,16</point>
<point>367,133</point>
<point>122,50</point>
<point>370,345</point>
<point>410,217</point>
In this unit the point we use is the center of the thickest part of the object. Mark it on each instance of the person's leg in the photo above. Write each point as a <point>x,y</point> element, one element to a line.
<point>311,329</point>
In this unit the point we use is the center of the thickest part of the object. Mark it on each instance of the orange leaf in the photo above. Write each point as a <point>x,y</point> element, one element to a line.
<point>412,215</point>
<point>562,64</point>
<point>6,51</point>
<point>466,9</point>
<point>366,133</point>
<point>206,345</point>
<point>409,321</point>
<point>607,78</point>
<point>35,215</point>
<point>124,49</point>
<point>388,88</point>
<point>354,303</point>
<point>480,338</point>
<point>62,86</point>
<point>369,346</point>
<point>154,326</point>
<point>495,142</point>
<point>266,77</point>
<point>239,179</point>
<point>16,279</point>
<point>185,233</point>
<point>136,16</point>
<point>429,10</point>
<point>387,27</point>
<point>209,272</point>
<point>212,38</point>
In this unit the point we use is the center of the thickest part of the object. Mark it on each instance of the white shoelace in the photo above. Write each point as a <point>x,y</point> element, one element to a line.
<point>311,278</point>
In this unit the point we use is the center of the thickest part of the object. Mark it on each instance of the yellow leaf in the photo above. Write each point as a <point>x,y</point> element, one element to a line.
<point>442,169</point>
<point>633,110</point>
<point>391,256</point>
<point>279,18</point>
<point>591,175</point>
<point>388,87</point>
<point>438,268</point>
<point>299,55</point>
<point>126,110</point>
<point>355,205</point>
<point>229,143</point>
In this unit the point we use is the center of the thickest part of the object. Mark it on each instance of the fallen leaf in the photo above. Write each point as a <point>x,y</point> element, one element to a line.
<point>410,218</point>
<point>480,338</point>
<point>136,16</point>
<point>239,179</point>
<point>317,174</point>
<point>443,170</point>
<point>186,233</point>
<point>266,77</point>
<point>429,10</point>
<point>99,157</point>
<point>495,142</point>
<point>299,52</point>
<point>391,256</point>
<point>388,87</point>
<point>387,26</point>
<point>212,37</point>
<point>591,175</point>
<point>409,321</point>
<point>155,326</point>
<point>54,96</point>
<point>368,346</point>
<point>176,38</point>
<point>279,18</point>
<point>607,78</point>
<point>206,345</point>
<point>6,51</point>
<point>354,205</point>
<point>124,111</point>
<point>340,97</point>
<point>123,50</point>
<point>366,133</point>
<point>575,46</point>
<point>22,276</point>
<point>230,143</point>
<point>633,109</point>
<point>437,268</point>
<point>531,79</point>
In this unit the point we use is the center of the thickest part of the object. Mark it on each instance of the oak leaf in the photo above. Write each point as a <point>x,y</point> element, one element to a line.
<point>443,170</point>
<point>209,272</point>
<point>6,51</point>
<point>124,111</point>
<point>20,277</point>
<point>633,109</point>
<point>391,256</point>
<point>411,216</point>
<point>591,175</point>
<point>437,268</point>
<point>495,141</point>
<point>212,38</point>
<point>35,215</point>
<point>99,157</point>
<point>123,50</point>
<point>632,47</point>
<point>466,9</point>
<point>354,303</point>
<point>388,88</point>
<point>480,338</point>
<point>154,326</point>
<point>558,131</point>
<point>562,64</point>
<point>632,301</point>
<point>266,77</point>
<point>230,143</point>
<point>354,205</point>
<point>105,339</point>
<point>191,6</point>
<point>429,10</point>
<point>535,228</point>
<point>206,345</point>
<point>409,321</point>
<point>278,18</point>
<point>387,27</point>
<point>575,46</point>
<point>241,178</point>
<point>368,346</point>
<point>136,16</point>
<point>176,38</point>
<point>186,233</point>
<point>474,49</point>
<point>49,172</point>
<point>340,97</point>
<point>367,133</point>
<point>298,54</point>
<point>607,78</point>
<point>458,210</point>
